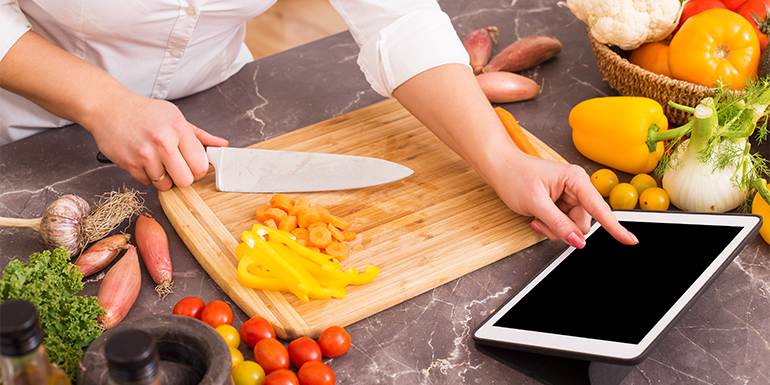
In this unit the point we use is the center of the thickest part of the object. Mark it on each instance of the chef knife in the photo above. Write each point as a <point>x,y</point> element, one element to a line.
<point>272,171</point>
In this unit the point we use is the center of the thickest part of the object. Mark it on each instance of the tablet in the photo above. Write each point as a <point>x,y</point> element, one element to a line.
<point>612,302</point>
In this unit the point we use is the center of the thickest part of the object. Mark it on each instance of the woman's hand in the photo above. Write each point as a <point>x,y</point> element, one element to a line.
<point>448,100</point>
<point>152,140</point>
<point>148,138</point>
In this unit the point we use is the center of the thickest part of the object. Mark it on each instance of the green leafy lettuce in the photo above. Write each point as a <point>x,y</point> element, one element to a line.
<point>69,321</point>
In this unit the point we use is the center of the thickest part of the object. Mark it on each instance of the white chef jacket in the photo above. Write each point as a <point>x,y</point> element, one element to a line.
<point>169,49</point>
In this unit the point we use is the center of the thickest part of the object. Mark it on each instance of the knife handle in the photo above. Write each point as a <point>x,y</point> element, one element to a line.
<point>101,158</point>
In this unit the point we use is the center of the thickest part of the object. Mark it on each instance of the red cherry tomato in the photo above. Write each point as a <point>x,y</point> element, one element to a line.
<point>695,7</point>
<point>190,307</point>
<point>302,350</point>
<point>271,355</point>
<point>217,313</point>
<point>334,341</point>
<point>255,329</point>
<point>281,377</point>
<point>748,9</point>
<point>316,373</point>
<point>733,5</point>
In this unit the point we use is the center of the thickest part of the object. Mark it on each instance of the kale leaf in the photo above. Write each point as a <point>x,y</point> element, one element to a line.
<point>68,320</point>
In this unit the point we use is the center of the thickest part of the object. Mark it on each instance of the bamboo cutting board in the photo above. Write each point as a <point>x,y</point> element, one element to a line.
<point>430,228</point>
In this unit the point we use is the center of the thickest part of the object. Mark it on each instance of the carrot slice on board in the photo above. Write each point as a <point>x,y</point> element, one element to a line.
<point>338,250</point>
<point>515,132</point>
<point>260,213</point>
<point>321,237</point>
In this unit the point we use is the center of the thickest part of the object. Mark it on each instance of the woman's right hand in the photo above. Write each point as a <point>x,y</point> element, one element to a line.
<point>151,140</point>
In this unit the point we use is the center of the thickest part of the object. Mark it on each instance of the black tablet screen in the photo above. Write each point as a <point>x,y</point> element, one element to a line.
<point>610,291</point>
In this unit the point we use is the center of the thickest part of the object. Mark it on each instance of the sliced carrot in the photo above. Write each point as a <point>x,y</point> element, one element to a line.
<point>282,202</point>
<point>275,214</point>
<point>349,235</point>
<point>337,222</point>
<point>288,223</point>
<point>516,132</point>
<point>300,233</point>
<point>321,237</point>
<point>335,232</point>
<point>313,225</point>
<point>307,216</point>
<point>317,250</point>
<point>338,250</point>
<point>323,213</point>
<point>260,214</point>
<point>302,242</point>
<point>302,202</point>
<point>271,224</point>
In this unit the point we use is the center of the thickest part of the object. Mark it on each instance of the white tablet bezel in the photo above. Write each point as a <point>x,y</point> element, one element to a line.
<point>610,351</point>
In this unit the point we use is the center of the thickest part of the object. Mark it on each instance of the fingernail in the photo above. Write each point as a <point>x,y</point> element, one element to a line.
<point>536,227</point>
<point>575,240</point>
<point>630,234</point>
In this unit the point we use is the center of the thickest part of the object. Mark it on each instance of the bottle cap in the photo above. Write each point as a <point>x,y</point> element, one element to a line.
<point>132,355</point>
<point>20,331</point>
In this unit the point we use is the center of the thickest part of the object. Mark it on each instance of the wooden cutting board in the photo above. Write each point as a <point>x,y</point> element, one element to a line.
<point>428,229</point>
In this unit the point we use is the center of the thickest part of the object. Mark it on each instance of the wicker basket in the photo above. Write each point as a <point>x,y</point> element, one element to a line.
<point>631,80</point>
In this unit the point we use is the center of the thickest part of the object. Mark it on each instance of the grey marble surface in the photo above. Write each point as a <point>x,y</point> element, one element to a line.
<point>723,339</point>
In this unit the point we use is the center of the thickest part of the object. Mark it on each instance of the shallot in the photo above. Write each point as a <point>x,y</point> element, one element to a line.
<point>507,87</point>
<point>479,46</point>
<point>152,242</point>
<point>525,53</point>
<point>101,254</point>
<point>119,289</point>
<point>70,222</point>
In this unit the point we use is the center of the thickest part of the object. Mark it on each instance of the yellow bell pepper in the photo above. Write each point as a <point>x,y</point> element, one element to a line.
<point>626,133</point>
<point>288,240</point>
<point>367,276</point>
<point>760,207</point>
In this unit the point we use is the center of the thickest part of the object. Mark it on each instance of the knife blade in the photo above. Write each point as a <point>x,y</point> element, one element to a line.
<point>273,171</point>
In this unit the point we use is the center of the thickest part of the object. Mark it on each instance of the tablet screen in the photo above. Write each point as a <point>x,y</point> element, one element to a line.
<point>614,292</point>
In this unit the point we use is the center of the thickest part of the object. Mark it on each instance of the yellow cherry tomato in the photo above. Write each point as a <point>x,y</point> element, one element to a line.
<point>760,207</point>
<point>236,355</point>
<point>248,373</point>
<point>623,197</point>
<point>230,335</point>
<point>654,198</point>
<point>642,182</point>
<point>604,180</point>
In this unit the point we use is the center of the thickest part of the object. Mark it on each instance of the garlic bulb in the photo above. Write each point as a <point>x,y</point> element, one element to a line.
<point>695,184</point>
<point>60,224</point>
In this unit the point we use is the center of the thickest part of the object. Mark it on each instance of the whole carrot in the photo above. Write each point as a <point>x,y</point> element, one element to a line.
<point>479,46</point>
<point>101,254</point>
<point>119,289</point>
<point>152,242</point>
<point>524,53</point>
<point>516,132</point>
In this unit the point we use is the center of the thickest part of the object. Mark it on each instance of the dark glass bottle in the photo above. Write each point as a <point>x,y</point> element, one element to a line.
<point>22,355</point>
<point>132,358</point>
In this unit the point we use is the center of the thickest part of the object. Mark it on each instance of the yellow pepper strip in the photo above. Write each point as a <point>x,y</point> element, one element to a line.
<point>338,292</point>
<point>349,275</point>
<point>240,250</point>
<point>249,279</point>
<point>257,278</point>
<point>367,276</point>
<point>317,271</point>
<point>282,237</point>
<point>297,278</point>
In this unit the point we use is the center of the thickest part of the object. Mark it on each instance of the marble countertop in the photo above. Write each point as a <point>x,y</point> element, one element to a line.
<point>723,339</point>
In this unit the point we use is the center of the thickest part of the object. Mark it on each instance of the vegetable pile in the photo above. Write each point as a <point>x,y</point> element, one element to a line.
<point>69,321</point>
<point>301,254</point>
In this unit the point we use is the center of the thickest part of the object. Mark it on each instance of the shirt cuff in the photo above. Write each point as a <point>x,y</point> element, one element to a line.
<point>13,24</point>
<point>415,42</point>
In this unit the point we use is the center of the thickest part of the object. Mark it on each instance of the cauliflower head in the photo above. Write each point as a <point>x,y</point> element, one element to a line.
<point>627,23</point>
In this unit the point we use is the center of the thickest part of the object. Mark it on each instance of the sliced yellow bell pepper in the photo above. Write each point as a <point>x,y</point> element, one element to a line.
<point>286,239</point>
<point>626,133</point>
<point>297,278</point>
<point>367,276</point>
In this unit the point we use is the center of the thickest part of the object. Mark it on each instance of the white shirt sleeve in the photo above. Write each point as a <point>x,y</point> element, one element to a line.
<point>400,38</point>
<point>13,24</point>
